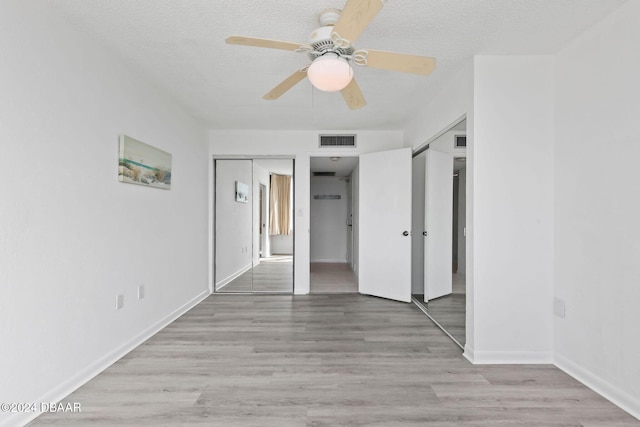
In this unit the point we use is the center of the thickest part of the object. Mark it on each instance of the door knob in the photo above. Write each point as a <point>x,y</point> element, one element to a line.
<point>405,233</point>
<point>424,233</point>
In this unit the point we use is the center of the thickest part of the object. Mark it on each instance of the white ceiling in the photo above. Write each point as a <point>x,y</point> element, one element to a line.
<point>180,46</point>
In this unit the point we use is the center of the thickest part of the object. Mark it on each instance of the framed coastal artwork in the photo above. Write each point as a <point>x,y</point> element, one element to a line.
<point>143,164</point>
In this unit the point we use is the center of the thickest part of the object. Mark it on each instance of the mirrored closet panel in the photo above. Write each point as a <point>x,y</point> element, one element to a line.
<point>439,231</point>
<point>253,242</point>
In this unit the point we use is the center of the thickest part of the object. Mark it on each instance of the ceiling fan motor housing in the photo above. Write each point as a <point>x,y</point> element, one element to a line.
<point>321,42</point>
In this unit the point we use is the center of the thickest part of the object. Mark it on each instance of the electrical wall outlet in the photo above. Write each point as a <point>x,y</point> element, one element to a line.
<point>140,291</point>
<point>119,301</point>
<point>559,307</point>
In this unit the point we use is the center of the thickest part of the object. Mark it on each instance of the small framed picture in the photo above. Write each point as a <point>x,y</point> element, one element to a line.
<point>242,192</point>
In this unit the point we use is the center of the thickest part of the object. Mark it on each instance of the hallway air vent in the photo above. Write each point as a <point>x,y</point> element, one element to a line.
<point>324,174</point>
<point>337,140</point>
<point>461,141</point>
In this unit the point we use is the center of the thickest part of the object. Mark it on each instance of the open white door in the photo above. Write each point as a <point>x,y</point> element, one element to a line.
<point>385,224</point>
<point>438,250</point>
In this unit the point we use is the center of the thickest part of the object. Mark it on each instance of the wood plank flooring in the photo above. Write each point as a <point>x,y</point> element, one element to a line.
<point>450,312</point>
<point>272,274</point>
<point>323,360</point>
<point>329,277</point>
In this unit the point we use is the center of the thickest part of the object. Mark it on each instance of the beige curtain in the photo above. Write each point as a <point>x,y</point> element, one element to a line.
<point>280,205</point>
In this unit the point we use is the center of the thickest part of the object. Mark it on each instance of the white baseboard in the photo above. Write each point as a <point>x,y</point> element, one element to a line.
<point>468,353</point>
<point>85,375</point>
<point>607,390</point>
<point>333,261</point>
<point>224,282</point>
<point>507,357</point>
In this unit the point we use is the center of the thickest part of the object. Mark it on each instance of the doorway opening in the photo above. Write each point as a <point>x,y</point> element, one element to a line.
<point>333,224</point>
<point>439,231</point>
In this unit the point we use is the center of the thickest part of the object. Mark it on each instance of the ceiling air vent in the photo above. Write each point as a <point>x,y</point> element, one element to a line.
<point>337,140</point>
<point>461,141</point>
<point>324,174</point>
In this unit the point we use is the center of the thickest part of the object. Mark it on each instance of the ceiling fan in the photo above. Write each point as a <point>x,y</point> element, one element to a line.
<point>331,51</point>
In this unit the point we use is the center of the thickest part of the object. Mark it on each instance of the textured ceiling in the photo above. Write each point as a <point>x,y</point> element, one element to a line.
<point>179,45</point>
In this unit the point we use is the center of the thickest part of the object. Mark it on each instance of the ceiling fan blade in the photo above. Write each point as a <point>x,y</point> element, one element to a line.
<point>272,44</point>
<point>286,84</point>
<point>354,18</point>
<point>353,96</point>
<point>393,61</point>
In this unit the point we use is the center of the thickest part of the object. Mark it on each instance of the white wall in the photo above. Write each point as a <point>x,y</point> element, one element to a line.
<point>72,236</point>
<point>328,220</point>
<point>513,209</point>
<point>234,220</point>
<point>597,242</point>
<point>281,244</point>
<point>302,145</point>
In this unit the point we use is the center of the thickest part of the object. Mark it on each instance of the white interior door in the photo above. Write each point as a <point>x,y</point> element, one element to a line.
<point>438,256</point>
<point>385,214</point>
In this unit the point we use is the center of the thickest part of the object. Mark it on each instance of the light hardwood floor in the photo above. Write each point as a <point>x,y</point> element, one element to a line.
<point>272,274</point>
<point>329,277</point>
<point>450,313</point>
<point>323,360</point>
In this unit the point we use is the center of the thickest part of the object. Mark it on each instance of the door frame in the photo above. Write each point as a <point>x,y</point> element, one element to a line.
<point>350,228</point>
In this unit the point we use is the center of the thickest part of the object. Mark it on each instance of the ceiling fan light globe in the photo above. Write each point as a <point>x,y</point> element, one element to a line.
<point>330,73</point>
